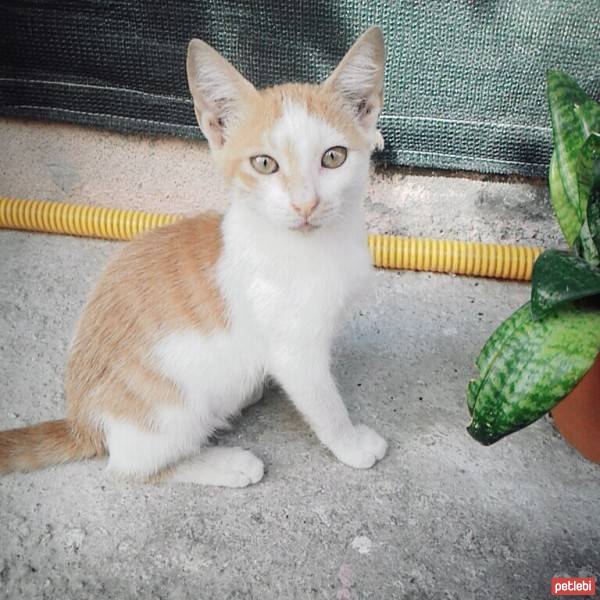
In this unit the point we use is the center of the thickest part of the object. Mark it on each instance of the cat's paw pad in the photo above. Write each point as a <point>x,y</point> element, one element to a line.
<point>363,448</point>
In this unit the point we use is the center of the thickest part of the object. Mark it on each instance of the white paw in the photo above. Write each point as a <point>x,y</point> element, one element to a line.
<point>242,468</point>
<point>222,466</point>
<point>362,449</point>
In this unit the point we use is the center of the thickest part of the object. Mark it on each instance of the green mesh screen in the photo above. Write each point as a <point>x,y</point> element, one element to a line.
<point>465,78</point>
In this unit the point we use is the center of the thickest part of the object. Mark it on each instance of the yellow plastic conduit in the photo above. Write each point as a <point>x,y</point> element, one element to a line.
<point>451,256</point>
<point>387,251</point>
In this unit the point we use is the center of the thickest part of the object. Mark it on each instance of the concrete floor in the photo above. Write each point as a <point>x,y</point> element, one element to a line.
<point>439,517</point>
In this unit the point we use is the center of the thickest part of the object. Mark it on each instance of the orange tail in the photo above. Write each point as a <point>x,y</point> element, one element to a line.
<point>46,444</point>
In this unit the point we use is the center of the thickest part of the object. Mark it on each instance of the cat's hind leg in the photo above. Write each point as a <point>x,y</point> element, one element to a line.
<point>155,457</point>
<point>139,453</point>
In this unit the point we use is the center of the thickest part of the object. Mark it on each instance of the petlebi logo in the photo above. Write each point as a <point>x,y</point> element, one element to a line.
<point>573,586</point>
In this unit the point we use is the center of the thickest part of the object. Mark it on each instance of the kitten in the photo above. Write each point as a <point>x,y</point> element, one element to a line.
<point>188,320</point>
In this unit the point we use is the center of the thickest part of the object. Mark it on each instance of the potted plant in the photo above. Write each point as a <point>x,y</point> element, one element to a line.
<point>545,356</point>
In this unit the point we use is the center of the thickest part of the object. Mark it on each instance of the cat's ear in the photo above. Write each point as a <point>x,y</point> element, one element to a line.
<point>358,79</point>
<point>218,90</point>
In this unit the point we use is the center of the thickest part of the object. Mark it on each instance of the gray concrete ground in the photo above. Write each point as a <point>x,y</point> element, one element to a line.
<point>439,517</point>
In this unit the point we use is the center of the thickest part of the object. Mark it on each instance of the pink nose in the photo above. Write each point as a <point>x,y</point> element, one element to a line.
<point>307,209</point>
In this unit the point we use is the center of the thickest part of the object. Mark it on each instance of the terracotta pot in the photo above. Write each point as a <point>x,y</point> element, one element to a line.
<point>577,417</point>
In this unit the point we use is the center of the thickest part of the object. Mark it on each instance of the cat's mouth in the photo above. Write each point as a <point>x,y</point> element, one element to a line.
<point>305,227</point>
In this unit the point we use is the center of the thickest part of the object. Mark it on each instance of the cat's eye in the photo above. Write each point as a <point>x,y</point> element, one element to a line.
<point>334,157</point>
<point>264,164</point>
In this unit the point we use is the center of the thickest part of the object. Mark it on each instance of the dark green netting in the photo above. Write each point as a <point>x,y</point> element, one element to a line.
<point>465,78</point>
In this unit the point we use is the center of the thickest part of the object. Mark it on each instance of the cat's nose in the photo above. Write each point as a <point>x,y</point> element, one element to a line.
<point>306,209</point>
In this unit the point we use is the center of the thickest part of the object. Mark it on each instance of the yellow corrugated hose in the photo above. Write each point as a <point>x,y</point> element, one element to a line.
<point>387,251</point>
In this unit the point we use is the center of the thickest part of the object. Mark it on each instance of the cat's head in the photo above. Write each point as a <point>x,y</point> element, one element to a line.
<point>297,153</point>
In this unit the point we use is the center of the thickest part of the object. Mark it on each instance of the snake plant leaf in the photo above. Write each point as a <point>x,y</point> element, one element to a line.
<point>493,347</point>
<point>530,367</point>
<point>565,212</point>
<point>586,247</point>
<point>589,115</point>
<point>588,180</point>
<point>589,198</point>
<point>588,169</point>
<point>560,277</point>
<point>570,128</point>
<point>593,215</point>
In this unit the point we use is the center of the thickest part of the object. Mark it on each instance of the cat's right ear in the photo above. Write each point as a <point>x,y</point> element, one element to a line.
<point>218,90</point>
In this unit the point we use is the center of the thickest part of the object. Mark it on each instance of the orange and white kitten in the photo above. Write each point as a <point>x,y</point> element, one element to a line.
<point>189,319</point>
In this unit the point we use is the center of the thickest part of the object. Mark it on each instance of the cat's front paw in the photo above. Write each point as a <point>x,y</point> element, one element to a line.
<point>362,449</point>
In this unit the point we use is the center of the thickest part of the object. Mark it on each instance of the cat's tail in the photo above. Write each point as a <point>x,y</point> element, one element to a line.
<point>46,444</point>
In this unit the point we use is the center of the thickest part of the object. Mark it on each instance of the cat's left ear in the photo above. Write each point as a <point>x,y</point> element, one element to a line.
<point>218,90</point>
<point>358,79</point>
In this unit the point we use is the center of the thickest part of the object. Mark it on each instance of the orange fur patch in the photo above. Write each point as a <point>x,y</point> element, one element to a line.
<point>161,282</point>
<point>263,110</point>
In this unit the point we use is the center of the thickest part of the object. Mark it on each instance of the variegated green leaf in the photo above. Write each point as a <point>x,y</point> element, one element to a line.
<point>586,246</point>
<point>589,115</point>
<point>560,277</point>
<point>593,215</point>
<point>490,350</point>
<point>565,212</point>
<point>568,129</point>
<point>494,346</point>
<point>588,169</point>
<point>588,180</point>
<point>536,364</point>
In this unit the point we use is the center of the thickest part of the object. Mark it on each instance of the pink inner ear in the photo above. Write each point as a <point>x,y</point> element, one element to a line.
<point>367,112</point>
<point>216,129</point>
<point>364,108</point>
<point>212,127</point>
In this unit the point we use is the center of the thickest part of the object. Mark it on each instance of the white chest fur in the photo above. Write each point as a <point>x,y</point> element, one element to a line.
<point>288,285</point>
<point>282,289</point>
